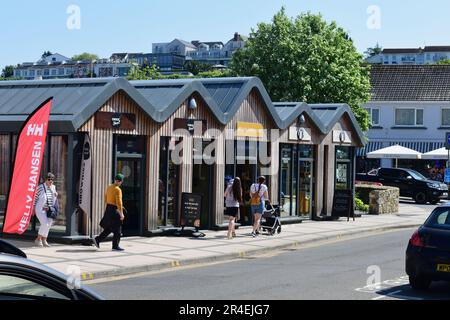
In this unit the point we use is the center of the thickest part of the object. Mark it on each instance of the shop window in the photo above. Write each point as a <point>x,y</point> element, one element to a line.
<point>58,166</point>
<point>296,180</point>
<point>247,160</point>
<point>168,184</point>
<point>344,168</point>
<point>5,169</point>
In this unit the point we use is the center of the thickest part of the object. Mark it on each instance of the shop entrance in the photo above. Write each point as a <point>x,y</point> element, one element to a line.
<point>202,183</point>
<point>297,181</point>
<point>306,189</point>
<point>247,172</point>
<point>130,161</point>
<point>169,187</point>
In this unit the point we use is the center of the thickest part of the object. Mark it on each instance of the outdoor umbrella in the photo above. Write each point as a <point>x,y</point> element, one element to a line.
<point>395,152</point>
<point>439,154</point>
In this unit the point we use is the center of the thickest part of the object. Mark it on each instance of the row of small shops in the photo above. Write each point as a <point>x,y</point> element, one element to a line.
<point>174,138</point>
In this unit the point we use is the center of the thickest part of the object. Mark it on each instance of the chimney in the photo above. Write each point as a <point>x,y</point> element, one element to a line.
<point>236,36</point>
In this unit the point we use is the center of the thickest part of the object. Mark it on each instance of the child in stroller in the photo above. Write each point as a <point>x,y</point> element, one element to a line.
<point>270,221</point>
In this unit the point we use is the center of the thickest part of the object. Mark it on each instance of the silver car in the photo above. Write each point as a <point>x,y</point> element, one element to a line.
<point>23,279</point>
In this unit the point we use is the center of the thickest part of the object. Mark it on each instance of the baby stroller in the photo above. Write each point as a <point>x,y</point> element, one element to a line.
<point>270,221</point>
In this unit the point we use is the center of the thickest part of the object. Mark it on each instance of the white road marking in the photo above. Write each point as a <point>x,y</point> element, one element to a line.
<point>387,295</point>
<point>386,285</point>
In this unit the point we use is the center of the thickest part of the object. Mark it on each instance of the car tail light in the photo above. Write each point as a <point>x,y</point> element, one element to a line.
<point>416,240</point>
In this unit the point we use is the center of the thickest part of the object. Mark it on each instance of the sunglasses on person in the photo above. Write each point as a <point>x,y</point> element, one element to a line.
<point>50,179</point>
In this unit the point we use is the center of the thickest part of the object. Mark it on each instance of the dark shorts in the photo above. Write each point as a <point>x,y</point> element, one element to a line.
<point>232,212</point>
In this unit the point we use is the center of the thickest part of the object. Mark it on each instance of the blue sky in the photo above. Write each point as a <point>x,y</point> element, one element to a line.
<point>28,27</point>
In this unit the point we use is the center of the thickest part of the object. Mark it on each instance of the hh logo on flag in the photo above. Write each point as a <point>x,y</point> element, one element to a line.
<point>35,130</point>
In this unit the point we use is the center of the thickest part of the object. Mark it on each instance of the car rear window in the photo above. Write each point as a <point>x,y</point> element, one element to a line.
<point>439,218</point>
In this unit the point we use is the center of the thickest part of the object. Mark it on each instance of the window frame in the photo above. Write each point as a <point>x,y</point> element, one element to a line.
<point>415,117</point>
<point>442,117</point>
<point>370,111</point>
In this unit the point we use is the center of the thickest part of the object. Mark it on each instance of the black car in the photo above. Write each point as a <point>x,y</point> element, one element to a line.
<point>410,182</point>
<point>23,279</point>
<point>428,254</point>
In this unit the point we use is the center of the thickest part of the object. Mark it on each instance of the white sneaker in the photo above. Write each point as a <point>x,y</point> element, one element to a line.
<point>45,243</point>
<point>39,243</point>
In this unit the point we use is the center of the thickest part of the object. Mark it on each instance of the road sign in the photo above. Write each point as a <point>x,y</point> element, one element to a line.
<point>447,176</point>
<point>447,140</point>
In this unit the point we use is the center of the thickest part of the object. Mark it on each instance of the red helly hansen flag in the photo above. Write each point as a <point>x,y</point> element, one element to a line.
<point>27,170</point>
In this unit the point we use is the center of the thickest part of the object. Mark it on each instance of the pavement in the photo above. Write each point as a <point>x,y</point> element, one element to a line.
<point>162,253</point>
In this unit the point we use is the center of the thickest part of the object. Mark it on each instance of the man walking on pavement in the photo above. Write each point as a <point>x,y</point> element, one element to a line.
<point>114,217</point>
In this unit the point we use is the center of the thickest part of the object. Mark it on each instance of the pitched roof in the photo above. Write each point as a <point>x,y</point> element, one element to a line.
<point>410,82</point>
<point>77,100</point>
<point>437,49</point>
<point>330,114</point>
<point>289,111</point>
<point>401,50</point>
<point>187,44</point>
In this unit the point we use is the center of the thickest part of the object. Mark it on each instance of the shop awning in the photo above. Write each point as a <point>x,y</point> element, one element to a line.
<point>370,147</point>
<point>419,146</point>
<point>439,154</point>
<point>395,152</point>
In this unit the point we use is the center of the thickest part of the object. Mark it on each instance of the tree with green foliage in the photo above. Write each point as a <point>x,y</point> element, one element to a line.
<point>373,51</point>
<point>85,56</point>
<point>443,62</point>
<point>144,73</point>
<point>8,72</point>
<point>195,67</point>
<point>216,74</point>
<point>306,59</point>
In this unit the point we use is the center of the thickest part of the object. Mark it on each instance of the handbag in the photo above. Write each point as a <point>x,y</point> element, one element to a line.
<point>256,199</point>
<point>53,211</point>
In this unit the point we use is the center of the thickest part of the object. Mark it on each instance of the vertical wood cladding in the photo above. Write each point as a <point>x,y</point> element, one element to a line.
<point>252,110</point>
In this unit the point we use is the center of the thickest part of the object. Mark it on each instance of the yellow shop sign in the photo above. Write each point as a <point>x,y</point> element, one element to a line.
<point>248,129</point>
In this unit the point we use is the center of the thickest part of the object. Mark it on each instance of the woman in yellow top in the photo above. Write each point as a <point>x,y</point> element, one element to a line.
<point>114,217</point>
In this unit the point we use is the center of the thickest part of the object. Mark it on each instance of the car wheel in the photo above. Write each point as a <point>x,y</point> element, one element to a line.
<point>419,282</point>
<point>420,198</point>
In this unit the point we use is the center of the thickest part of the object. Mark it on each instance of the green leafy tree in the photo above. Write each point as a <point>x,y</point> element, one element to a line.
<point>85,56</point>
<point>216,74</point>
<point>306,59</point>
<point>373,51</point>
<point>196,67</point>
<point>443,62</point>
<point>144,73</point>
<point>8,72</point>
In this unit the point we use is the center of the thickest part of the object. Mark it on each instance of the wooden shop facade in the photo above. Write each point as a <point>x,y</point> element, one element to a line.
<point>174,138</point>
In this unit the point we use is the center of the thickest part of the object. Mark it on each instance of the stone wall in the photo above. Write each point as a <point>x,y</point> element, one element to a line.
<point>384,200</point>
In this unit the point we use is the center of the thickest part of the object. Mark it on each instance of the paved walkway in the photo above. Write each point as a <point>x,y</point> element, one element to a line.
<point>159,253</point>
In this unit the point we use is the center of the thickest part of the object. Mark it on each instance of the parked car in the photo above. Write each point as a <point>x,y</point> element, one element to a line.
<point>23,279</point>
<point>428,253</point>
<point>410,182</point>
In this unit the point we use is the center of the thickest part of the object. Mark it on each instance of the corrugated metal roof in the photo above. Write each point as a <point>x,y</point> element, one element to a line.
<point>18,99</point>
<point>330,114</point>
<point>76,101</point>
